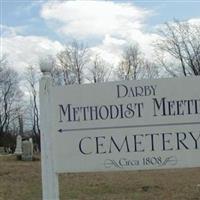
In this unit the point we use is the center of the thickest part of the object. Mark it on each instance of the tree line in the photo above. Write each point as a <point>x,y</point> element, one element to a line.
<point>179,41</point>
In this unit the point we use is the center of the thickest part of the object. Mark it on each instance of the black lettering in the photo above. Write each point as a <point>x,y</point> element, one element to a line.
<point>139,108</point>
<point>125,141</point>
<point>103,115</point>
<point>76,118</point>
<point>138,91</point>
<point>170,107</point>
<point>195,140</point>
<point>114,111</point>
<point>122,91</point>
<point>129,113</point>
<point>159,106</point>
<point>136,143</point>
<point>164,141</point>
<point>152,140</point>
<point>63,112</point>
<point>98,144</point>
<point>93,113</point>
<point>180,140</point>
<point>153,87</point>
<point>81,147</point>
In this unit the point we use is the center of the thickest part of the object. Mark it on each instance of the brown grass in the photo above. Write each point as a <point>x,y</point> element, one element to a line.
<point>21,180</point>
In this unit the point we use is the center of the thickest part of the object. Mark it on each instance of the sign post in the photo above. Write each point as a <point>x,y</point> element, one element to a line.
<point>50,188</point>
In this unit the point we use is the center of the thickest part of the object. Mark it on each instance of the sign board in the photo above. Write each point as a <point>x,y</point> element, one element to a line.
<point>129,125</point>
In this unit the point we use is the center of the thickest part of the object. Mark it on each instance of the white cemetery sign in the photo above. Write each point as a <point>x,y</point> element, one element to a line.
<point>130,125</point>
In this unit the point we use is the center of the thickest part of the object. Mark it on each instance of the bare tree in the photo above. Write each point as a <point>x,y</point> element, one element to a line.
<point>71,63</point>
<point>98,71</point>
<point>10,95</point>
<point>150,70</point>
<point>181,40</point>
<point>130,65</point>
<point>32,77</point>
<point>21,123</point>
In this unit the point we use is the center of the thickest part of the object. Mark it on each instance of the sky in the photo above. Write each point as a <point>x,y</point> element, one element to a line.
<point>31,29</point>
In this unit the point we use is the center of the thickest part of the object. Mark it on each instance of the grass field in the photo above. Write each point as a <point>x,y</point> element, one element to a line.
<point>21,180</point>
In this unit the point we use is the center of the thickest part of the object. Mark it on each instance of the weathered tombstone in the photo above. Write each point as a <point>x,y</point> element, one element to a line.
<point>2,151</point>
<point>18,150</point>
<point>31,141</point>
<point>27,150</point>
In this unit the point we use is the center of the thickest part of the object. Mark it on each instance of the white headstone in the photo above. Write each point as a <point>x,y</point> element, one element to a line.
<point>27,150</point>
<point>2,151</point>
<point>18,150</point>
<point>31,141</point>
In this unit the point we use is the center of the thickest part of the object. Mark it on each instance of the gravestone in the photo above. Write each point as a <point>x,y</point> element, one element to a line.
<point>27,150</point>
<point>31,141</point>
<point>2,151</point>
<point>18,150</point>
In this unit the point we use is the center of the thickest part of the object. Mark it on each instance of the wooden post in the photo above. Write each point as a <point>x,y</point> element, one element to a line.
<point>50,188</point>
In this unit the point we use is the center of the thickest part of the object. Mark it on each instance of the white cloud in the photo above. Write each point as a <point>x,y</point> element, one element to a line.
<point>10,31</point>
<point>110,49</point>
<point>145,42</point>
<point>117,23</point>
<point>26,50</point>
<point>194,21</point>
<point>85,18</point>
